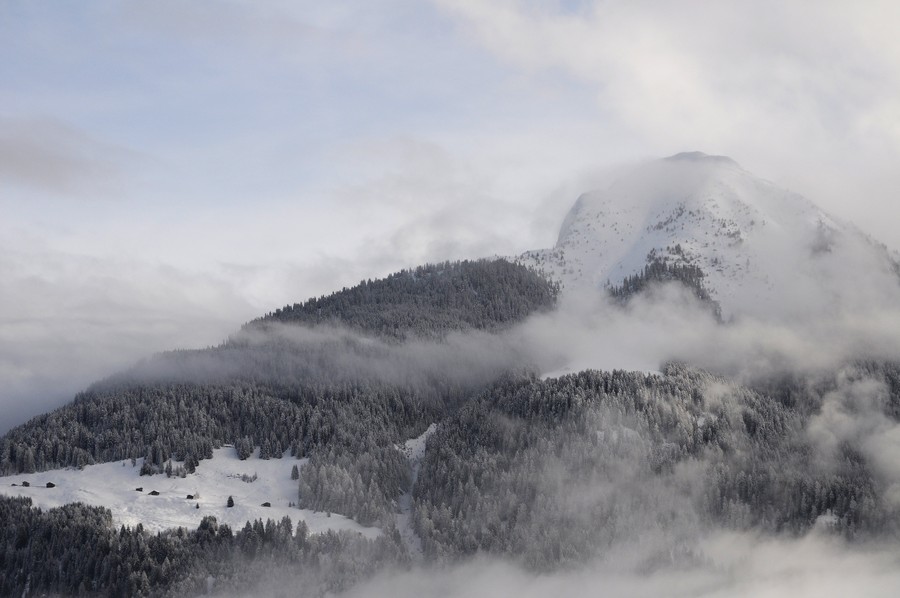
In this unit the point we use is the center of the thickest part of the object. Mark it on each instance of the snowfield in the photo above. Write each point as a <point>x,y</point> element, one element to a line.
<point>114,486</point>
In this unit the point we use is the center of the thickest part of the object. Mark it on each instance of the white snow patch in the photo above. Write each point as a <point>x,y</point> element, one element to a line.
<point>113,485</point>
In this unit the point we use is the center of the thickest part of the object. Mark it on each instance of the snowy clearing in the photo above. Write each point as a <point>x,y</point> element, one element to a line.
<point>113,485</point>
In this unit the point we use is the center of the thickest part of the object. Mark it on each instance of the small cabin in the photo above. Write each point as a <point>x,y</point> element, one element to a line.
<point>267,504</point>
<point>141,489</point>
<point>154,493</point>
<point>26,484</point>
<point>51,485</point>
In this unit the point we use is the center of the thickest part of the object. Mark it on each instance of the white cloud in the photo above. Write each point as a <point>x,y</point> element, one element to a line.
<point>855,413</point>
<point>735,565</point>
<point>68,320</point>
<point>806,96</point>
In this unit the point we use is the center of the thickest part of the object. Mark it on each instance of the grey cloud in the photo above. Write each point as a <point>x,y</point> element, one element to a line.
<point>735,565</point>
<point>729,565</point>
<point>589,332</point>
<point>855,413</point>
<point>468,360</point>
<point>68,320</point>
<point>49,155</point>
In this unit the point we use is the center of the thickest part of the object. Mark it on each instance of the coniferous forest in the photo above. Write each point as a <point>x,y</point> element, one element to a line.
<point>549,473</point>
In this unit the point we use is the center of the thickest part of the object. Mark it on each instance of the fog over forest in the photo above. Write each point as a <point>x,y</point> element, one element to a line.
<point>716,458</point>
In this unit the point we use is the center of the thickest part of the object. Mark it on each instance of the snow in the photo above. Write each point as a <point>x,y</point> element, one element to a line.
<point>751,238</point>
<point>414,449</point>
<point>112,485</point>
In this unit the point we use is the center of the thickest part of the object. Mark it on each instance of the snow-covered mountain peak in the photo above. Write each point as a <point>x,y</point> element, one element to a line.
<point>764,250</point>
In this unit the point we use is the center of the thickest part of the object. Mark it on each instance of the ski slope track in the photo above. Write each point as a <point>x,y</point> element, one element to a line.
<point>752,239</point>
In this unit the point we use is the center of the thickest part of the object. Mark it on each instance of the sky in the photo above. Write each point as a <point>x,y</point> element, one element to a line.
<point>170,170</point>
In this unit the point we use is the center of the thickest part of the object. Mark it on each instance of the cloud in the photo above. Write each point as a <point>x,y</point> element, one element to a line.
<point>729,565</point>
<point>68,320</point>
<point>700,70</point>
<point>855,413</point>
<point>802,96</point>
<point>428,204</point>
<point>49,155</point>
<point>587,331</point>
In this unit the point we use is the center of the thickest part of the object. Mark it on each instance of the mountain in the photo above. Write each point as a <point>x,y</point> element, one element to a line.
<point>428,301</point>
<point>405,424</point>
<point>334,388</point>
<point>763,251</point>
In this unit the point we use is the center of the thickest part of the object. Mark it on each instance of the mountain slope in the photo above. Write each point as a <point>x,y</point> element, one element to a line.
<point>557,471</point>
<point>302,380</point>
<point>428,301</point>
<point>410,407</point>
<point>752,239</point>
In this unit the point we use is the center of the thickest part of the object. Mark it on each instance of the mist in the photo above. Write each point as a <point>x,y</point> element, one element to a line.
<point>664,542</point>
<point>854,318</point>
<point>589,331</point>
<point>731,564</point>
<point>69,320</point>
<point>307,356</point>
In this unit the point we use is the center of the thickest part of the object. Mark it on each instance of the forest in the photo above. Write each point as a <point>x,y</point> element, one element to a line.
<point>76,550</point>
<point>549,473</point>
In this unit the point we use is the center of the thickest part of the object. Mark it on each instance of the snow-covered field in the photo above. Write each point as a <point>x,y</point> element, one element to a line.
<point>113,485</point>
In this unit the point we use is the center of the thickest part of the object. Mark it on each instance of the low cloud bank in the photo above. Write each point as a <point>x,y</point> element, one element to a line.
<point>587,331</point>
<point>730,565</point>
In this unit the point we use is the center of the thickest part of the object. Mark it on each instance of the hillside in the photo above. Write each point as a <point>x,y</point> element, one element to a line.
<point>404,424</point>
<point>428,301</point>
